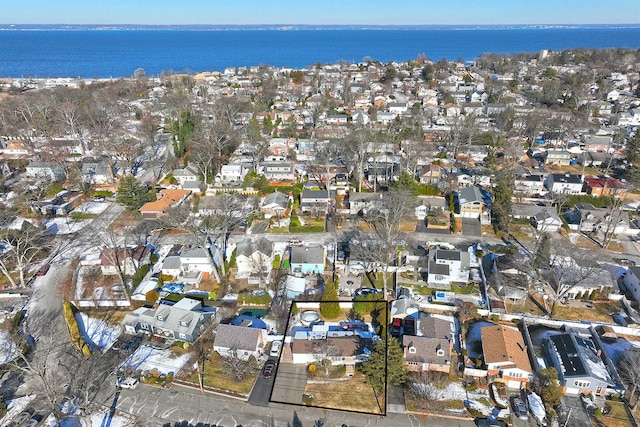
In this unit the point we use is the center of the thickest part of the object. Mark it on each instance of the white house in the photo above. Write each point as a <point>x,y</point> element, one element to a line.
<point>279,170</point>
<point>565,183</point>
<point>254,256</point>
<point>46,170</point>
<point>530,184</point>
<point>632,282</point>
<point>240,342</point>
<point>184,175</point>
<point>233,173</point>
<point>337,119</point>
<point>446,267</point>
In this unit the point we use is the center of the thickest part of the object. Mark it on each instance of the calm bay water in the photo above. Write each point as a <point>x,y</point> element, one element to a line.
<point>117,53</point>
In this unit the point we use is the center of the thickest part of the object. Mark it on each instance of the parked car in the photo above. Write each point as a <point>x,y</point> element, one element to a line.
<point>519,408</point>
<point>396,325</point>
<point>489,422</point>
<point>43,270</point>
<point>128,382</point>
<point>267,370</point>
<point>276,346</point>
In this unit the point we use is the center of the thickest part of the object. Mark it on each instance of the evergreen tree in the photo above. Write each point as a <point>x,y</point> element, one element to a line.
<point>550,389</point>
<point>182,128</point>
<point>329,305</point>
<point>502,198</point>
<point>632,152</point>
<point>406,182</point>
<point>385,363</point>
<point>132,194</point>
<point>542,256</point>
<point>267,126</point>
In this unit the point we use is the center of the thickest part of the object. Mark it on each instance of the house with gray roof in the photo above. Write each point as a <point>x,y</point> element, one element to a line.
<point>185,175</point>
<point>190,266</point>
<point>282,170</point>
<point>430,348</point>
<point>568,183</point>
<point>307,259</point>
<point>97,172</point>
<point>361,202</point>
<point>275,204</point>
<point>46,170</point>
<point>471,202</point>
<point>543,218</point>
<point>581,365</point>
<point>254,257</point>
<point>315,201</point>
<point>185,320</point>
<point>446,267</point>
<point>240,342</point>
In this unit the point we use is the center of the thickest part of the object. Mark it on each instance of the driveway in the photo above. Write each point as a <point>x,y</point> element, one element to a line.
<point>471,227</point>
<point>261,391</point>
<point>578,416</point>
<point>289,384</point>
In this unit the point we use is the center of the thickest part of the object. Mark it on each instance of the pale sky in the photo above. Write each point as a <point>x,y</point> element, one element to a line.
<point>342,12</point>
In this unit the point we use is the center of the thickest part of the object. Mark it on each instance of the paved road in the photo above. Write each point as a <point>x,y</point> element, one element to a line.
<point>159,407</point>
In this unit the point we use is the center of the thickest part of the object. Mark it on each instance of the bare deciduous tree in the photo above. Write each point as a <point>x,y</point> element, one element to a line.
<point>323,350</point>
<point>380,247</point>
<point>22,247</point>
<point>629,370</point>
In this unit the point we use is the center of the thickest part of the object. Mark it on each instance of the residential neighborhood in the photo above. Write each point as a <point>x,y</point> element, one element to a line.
<point>432,239</point>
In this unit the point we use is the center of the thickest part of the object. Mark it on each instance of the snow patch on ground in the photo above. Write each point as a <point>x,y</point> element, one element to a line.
<point>147,358</point>
<point>455,391</point>
<point>64,225</point>
<point>100,419</point>
<point>15,407</point>
<point>8,350</point>
<point>573,238</point>
<point>474,340</point>
<point>97,331</point>
<point>95,208</point>
<point>615,349</point>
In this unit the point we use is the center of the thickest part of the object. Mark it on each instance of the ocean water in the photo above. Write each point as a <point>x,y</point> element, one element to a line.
<point>117,53</point>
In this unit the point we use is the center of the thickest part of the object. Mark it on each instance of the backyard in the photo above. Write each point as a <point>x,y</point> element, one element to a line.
<point>595,311</point>
<point>618,417</point>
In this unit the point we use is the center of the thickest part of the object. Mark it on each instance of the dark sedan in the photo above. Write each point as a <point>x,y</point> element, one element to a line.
<point>268,369</point>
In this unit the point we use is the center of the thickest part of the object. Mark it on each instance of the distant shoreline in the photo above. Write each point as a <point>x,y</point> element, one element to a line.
<point>300,27</point>
<point>105,52</point>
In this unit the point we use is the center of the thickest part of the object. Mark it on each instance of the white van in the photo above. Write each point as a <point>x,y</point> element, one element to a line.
<point>276,346</point>
<point>129,382</point>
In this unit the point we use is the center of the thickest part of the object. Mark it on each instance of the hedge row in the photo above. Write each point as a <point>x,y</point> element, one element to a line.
<point>139,275</point>
<point>307,229</point>
<point>76,338</point>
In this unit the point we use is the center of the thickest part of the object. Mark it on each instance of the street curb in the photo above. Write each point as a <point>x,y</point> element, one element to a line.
<point>451,417</point>
<point>208,390</point>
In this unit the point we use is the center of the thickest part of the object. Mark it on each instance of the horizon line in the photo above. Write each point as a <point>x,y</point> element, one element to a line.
<point>322,25</point>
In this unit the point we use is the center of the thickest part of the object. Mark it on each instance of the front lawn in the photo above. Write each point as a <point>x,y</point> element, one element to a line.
<point>354,394</point>
<point>216,376</point>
